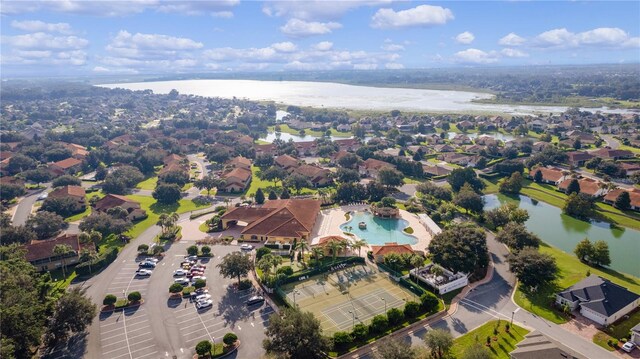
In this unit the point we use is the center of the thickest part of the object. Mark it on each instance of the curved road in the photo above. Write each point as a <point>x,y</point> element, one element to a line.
<point>491,301</point>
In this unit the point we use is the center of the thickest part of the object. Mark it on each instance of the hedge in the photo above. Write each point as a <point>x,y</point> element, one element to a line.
<point>311,272</point>
<point>87,268</point>
<point>200,214</point>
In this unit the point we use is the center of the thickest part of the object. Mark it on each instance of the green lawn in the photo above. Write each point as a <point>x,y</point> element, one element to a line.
<point>154,210</point>
<point>617,331</point>
<point>79,216</point>
<point>256,182</point>
<point>150,183</point>
<point>505,343</point>
<point>491,186</point>
<point>286,129</point>
<point>571,271</point>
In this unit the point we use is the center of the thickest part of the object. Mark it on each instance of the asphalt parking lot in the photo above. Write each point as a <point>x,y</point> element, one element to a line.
<point>127,333</point>
<point>166,327</point>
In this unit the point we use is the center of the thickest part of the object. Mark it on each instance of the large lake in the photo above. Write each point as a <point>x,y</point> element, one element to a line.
<point>564,232</point>
<point>334,95</point>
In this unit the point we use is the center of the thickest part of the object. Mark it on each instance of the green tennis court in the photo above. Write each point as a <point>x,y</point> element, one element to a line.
<point>347,297</point>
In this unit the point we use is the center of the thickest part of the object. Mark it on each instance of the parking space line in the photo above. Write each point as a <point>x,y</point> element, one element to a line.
<point>124,322</point>
<point>140,335</point>
<point>195,338</point>
<point>135,330</point>
<point>150,346</point>
<point>146,355</point>
<point>114,343</point>
<point>115,350</point>
<point>111,337</point>
<point>110,331</point>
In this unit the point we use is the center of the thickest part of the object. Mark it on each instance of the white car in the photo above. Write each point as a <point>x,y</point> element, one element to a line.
<point>180,273</point>
<point>144,272</point>
<point>204,304</point>
<point>628,347</point>
<point>43,196</point>
<point>151,259</point>
<point>196,277</point>
<point>202,297</point>
<point>182,281</point>
<point>246,247</point>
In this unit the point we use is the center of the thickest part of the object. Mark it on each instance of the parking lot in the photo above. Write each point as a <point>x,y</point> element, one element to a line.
<point>127,333</point>
<point>169,327</point>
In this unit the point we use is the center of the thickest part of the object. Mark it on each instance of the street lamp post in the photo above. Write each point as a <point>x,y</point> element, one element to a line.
<point>512,314</point>
<point>353,322</point>
<point>385,304</point>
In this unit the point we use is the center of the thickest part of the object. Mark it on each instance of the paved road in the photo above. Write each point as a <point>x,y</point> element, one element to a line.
<point>26,204</point>
<point>611,142</point>
<point>492,301</point>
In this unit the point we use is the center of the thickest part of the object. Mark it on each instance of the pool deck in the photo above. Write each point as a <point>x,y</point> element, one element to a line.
<point>328,224</point>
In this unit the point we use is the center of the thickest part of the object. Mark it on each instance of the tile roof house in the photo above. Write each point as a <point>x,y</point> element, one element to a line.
<point>587,186</point>
<point>599,299</point>
<point>40,253</point>
<point>240,162</point>
<point>318,176</point>
<point>276,221</point>
<point>348,144</point>
<point>634,195</point>
<point>67,166</point>
<point>549,174</point>
<point>535,345</point>
<point>578,158</point>
<point>435,170</point>
<point>237,180</point>
<point>286,162</point>
<point>324,242</point>
<point>77,151</point>
<point>610,154</point>
<point>380,251</point>
<point>113,200</point>
<point>371,167</point>
<point>76,192</point>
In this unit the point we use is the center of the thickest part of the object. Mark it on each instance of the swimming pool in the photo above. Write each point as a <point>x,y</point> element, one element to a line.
<point>379,230</point>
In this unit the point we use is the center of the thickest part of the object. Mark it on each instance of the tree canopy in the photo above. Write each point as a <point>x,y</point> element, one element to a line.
<point>461,248</point>
<point>533,268</point>
<point>296,335</point>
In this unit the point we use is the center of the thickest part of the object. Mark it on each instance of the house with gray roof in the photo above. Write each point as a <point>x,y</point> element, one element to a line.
<point>535,345</point>
<point>599,299</point>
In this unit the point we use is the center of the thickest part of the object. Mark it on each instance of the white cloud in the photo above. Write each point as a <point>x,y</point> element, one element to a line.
<point>422,15</point>
<point>284,46</point>
<point>229,54</point>
<point>41,40</point>
<point>511,39</point>
<point>151,46</point>
<point>222,14</point>
<point>603,37</point>
<point>301,28</point>
<point>323,46</point>
<point>365,66</point>
<point>465,38</point>
<point>118,8</point>
<point>393,66</point>
<point>475,56</point>
<point>41,26</point>
<point>388,45</point>
<point>508,52</point>
<point>100,69</point>
<point>32,54</point>
<point>315,9</point>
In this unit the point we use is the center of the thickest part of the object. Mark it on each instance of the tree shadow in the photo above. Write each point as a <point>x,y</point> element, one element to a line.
<point>159,208</point>
<point>74,347</point>
<point>105,315</point>
<point>231,308</point>
<point>174,302</point>
<point>129,311</point>
<point>458,325</point>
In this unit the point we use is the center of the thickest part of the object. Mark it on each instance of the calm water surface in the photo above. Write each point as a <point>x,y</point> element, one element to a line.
<point>334,95</point>
<point>565,232</point>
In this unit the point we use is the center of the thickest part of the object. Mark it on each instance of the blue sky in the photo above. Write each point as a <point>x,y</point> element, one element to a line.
<point>85,37</point>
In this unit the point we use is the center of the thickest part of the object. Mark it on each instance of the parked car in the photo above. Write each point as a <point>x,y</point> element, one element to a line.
<point>200,291</point>
<point>204,296</point>
<point>144,272</point>
<point>255,300</point>
<point>147,265</point>
<point>204,303</point>
<point>246,247</point>
<point>43,196</point>
<point>179,273</point>
<point>151,259</point>
<point>182,281</point>
<point>199,266</point>
<point>628,347</point>
<point>191,258</point>
<point>196,277</point>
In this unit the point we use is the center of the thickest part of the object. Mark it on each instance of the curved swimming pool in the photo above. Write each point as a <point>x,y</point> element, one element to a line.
<point>379,230</point>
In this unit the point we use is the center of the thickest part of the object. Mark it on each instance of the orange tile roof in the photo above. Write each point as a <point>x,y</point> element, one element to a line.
<point>548,174</point>
<point>372,163</point>
<point>587,186</point>
<point>67,163</point>
<point>391,248</point>
<point>240,173</point>
<point>44,249</point>
<point>113,200</point>
<point>68,191</point>
<point>634,195</point>
<point>326,240</point>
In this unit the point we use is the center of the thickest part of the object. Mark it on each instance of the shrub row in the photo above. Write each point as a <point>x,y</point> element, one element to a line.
<point>324,268</point>
<point>87,268</point>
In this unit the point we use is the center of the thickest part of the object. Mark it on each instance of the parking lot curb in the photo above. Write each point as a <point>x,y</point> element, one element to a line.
<point>122,308</point>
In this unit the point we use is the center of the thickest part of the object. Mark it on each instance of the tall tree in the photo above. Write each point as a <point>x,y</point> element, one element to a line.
<point>439,342</point>
<point>461,248</point>
<point>46,224</point>
<point>390,177</point>
<point>600,255</point>
<point>573,187</point>
<point>235,265</point>
<point>74,312</point>
<point>167,193</point>
<point>579,205</point>
<point>468,199</point>
<point>584,250</point>
<point>295,335</point>
<point>516,236</point>
<point>533,268</point>
<point>392,348</point>
<point>259,196</point>
<point>459,176</point>
<point>623,201</point>
<point>273,195</point>
<point>62,250</point>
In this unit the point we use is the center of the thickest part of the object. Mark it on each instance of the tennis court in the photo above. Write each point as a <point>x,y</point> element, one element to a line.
<point>347,296</point>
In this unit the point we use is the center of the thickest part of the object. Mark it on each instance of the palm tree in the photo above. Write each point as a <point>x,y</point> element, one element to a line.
<point>323,193</point>
<point>162,221</point>
<point>301,246</point>
<point>416,262</point>
<point>275,262</point>
<point>317,254</point>
<point>336,246</point>
<point>62,250</point>
<point>358,244</point>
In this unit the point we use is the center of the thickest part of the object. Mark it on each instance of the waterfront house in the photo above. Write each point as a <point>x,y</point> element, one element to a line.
<point>634,195</point>
<point>599,299</point>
